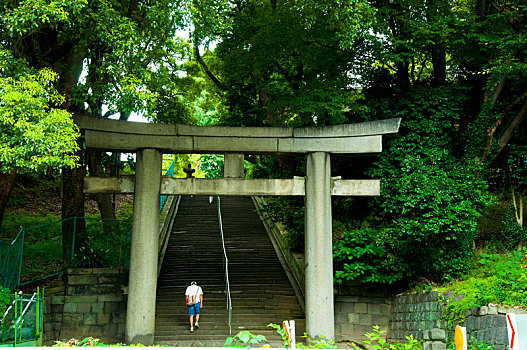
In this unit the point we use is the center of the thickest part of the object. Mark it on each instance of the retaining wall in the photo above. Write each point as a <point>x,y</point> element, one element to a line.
<point>94,305</point>
<point>418,314</point>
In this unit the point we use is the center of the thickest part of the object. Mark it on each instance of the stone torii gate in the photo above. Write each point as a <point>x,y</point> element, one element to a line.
<point>150,141</point>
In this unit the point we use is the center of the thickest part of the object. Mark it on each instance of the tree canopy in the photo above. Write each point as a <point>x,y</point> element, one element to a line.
<point>454,71</point>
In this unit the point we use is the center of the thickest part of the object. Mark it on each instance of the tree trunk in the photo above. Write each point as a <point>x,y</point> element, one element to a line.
<point>72,206</point>
<point>7,181</point>
<point>439,64</point>
<point>104,200</point>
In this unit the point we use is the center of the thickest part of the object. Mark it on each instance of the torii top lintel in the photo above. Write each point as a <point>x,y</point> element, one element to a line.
<point>123,136</point>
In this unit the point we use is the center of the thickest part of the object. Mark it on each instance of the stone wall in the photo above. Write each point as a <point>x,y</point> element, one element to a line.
<point>413,314</point>
<point>357,309</point>
<point>94,305</point>
<point>419,314</point>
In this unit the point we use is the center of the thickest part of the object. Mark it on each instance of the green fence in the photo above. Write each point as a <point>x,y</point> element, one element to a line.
<point>37,252</point>
<point>21,324</point>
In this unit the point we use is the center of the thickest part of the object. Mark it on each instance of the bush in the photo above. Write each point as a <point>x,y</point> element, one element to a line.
<point>362,255</point>
<point>430,197</point>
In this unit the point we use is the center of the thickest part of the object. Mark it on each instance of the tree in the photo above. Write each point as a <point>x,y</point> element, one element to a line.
<point>35,134</point>
<point>122,46</point>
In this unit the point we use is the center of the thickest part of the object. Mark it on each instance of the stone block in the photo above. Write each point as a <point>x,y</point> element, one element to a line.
<point>365,320</point>
<point>106,271</point>
<point>111,329</point>
<point>79,271</point>
<point>107,279</point>
<point>83,307</point>
<point>81,298</point>
<point>380,320</point>
<point>112,306</point>
<point>353,318</point>
<point>57,299</point>
<point>492,310</point>
<point>121,329</point>
<point>437,345</point>
<point>469,323</point>
<point>437,334</point>
<point>361,308</point>
<point>341,317</point>
<point>118,317</point>
<point>70,307</point>
<point>426,335</point>
<point>499,321</point>
<point>483,310</point>
<point>384,309</point>
<point>346,299</point>
<point>502,309</point>
<point>97,331</point>
<point>56,308</point>
<point>68,318</point>
<point>90,319</point>
<point>97,308</point>
<point>346,307</point>
<point>82,280</point>
<point>374,309</point>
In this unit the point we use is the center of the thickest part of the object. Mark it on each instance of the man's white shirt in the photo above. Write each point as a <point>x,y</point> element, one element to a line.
<point>194,291</point>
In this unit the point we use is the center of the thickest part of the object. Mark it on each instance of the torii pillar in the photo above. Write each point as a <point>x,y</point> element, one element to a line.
<point>140,312</point>
<point>320,315</point>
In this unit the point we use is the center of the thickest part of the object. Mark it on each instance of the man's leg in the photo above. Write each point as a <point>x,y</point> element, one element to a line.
<point>191,322</point>
<point>197,310</point>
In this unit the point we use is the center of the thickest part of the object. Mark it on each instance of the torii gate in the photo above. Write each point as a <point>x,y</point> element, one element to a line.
<point>149,141</point>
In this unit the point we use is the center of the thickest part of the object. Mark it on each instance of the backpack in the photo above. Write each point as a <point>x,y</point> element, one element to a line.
<point>193,299</point>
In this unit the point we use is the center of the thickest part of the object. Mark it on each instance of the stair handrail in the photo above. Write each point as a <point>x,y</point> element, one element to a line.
<point>225,267</point>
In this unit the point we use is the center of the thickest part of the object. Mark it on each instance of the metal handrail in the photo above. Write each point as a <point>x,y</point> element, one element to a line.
<point>226,268</point>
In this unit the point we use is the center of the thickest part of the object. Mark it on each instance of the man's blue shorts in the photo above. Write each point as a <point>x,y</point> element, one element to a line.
<point>193,310</point>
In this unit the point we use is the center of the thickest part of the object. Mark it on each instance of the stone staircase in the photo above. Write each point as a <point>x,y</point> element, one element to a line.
<point>260,290</point>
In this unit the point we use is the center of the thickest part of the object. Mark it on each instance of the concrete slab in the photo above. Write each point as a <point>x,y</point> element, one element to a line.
<point>377,127</point>
<point>124,185</point>
<point>359,188</point>
<point>233,131</point>
<point>89,122</point>
<point>342,145</point>
<point>235,144</point>
<point>234,187</point>
<point>122,142</point>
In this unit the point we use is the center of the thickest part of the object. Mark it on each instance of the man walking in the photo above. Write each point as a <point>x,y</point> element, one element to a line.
<point>194,299</point>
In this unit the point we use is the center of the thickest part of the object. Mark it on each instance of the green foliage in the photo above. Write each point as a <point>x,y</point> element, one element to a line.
<point>13,222</point>
<point>515,233</point>
<point>211,165</point>
<point>431,199</point>
<point>5,299</point>
<point>244,339</point>
<point>377,342</point>
<point>320,343</point>
<point>495,278</point>
<point>35,135</point>
<point>90,341</point>
<point>289,213</point>
<point>363,255</point>
<point>283,334</point>
<point>473,344</point>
